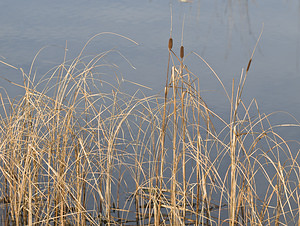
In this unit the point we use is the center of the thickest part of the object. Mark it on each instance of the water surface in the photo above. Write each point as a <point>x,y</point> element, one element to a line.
<point>224,33</point>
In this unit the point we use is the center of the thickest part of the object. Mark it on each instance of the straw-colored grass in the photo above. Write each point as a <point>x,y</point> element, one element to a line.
<point>76,150</point>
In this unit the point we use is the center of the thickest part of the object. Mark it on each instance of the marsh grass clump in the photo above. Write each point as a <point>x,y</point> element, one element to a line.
<point>76,150</point>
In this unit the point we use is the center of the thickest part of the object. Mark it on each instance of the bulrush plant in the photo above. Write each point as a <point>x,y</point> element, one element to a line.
<point>76,150</point>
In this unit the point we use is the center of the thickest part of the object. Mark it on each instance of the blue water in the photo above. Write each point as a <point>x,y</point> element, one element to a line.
<point>224,33</point>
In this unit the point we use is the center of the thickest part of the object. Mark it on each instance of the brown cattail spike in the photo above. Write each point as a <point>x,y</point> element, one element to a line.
<point>249,65</point>
<point>181,52</point>
<point>170,43</point>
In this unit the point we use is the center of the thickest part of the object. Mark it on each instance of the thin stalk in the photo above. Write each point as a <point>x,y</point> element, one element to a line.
<point>183,129</point>
<point>174,171</point>
<point>233,164</point>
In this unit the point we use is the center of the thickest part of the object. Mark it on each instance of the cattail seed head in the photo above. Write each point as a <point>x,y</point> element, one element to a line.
<point>249,63</point>
<point>181,52</point>
<point>170,43</point>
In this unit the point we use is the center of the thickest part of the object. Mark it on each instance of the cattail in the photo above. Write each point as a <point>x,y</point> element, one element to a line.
<point>181,52</point>
<point>170,43</point>
<point>249,65</point>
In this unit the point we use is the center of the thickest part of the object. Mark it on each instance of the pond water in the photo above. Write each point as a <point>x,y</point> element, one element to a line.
<point>224,33</point>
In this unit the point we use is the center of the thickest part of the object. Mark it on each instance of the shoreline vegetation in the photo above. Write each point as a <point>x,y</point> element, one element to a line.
<point>73,153</point>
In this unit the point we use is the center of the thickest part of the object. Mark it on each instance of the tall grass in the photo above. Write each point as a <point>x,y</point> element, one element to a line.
<point>76,150</point>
